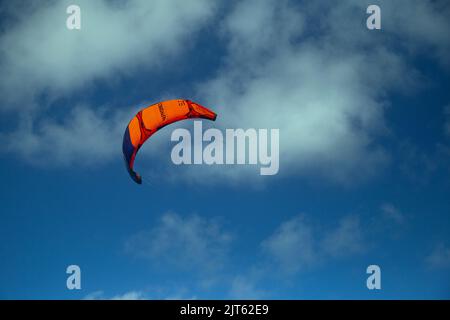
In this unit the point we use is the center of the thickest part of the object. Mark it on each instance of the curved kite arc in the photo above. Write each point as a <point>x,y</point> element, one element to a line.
<point>150,119</point>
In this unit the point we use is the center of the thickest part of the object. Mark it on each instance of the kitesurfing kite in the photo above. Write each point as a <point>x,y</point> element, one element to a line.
<point>149,120</point>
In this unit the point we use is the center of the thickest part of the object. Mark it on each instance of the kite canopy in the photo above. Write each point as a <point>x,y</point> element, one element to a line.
<point>149,120</point>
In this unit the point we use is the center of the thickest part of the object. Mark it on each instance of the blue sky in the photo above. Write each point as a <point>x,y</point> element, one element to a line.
<point>364,120</point>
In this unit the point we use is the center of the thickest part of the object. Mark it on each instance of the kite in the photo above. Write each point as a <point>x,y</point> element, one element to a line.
<point>150,119</point>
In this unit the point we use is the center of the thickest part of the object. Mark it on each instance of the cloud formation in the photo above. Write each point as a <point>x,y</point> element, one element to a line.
<point>40,55</point>
<point>131,295</point>
<point>439,258</point>
<point>347,239</point>
<point>392,214</point>
<point>85,135</point>
<point>45,61</point>
<point>244,287</point>
<point>322,78</point>
<point>292,245</point>
<point>202,244</point>
<point>191,242</point>
<point>297,245</point>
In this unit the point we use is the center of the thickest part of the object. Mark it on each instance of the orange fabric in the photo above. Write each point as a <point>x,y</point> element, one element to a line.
<point>151,119</point>
<point>135,132</point>
<point>163,113</point>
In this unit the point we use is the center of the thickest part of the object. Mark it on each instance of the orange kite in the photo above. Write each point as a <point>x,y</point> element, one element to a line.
<point>149,120</point>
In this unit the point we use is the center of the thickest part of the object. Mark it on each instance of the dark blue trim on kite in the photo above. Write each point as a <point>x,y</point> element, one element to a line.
<point>128,150</point>
<point>127,146</point>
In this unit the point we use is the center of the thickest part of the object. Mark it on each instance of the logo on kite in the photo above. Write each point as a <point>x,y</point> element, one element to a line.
<point>149,120</point>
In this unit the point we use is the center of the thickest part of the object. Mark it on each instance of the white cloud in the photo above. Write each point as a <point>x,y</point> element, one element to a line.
<point>292,245</point>
<point>96,295</point>
<point>40,55</point>
<point>439,257</point>
<point>184,242</point>
<point>43,60</point>
<point>347,239</point>
<point>420,26</point>
<point>243,287</point>
<point>155,293</point>
<point>321,101</point>
<point>421,165</point>
<point>84,135</point>
<point>392,213</point>
<point>297,245</point>
<point>315,72</point>
<point>131,295</point>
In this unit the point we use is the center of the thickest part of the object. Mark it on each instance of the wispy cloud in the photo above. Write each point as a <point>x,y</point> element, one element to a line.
<point>85,135</point>
<point>292,245</point>
<point>392,213</point>
<point>245,287</point>
<point>439,258</point>
<point>155,293</point>
<point>114,41</point>
<point>346,240</point>
<point>192,242</point>
<point>202,244</point>
<point>308,76</point>
<point>420,165</point>
<point>131,295</point>
<point>297,245</point>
